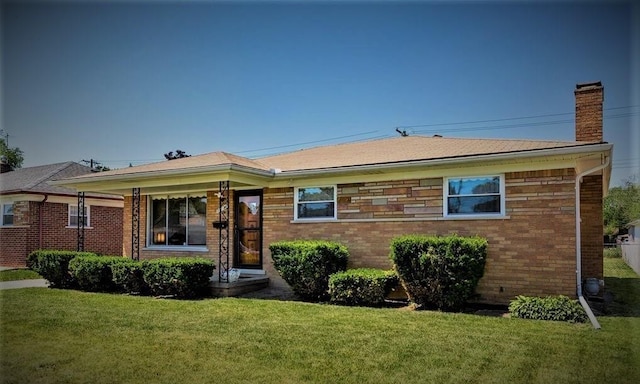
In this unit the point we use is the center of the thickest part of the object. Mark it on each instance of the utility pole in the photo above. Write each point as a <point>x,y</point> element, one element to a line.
<point>91,163</point>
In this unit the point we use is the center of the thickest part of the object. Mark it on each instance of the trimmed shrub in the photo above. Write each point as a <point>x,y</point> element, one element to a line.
<point>53,265</point>
<point>557,308</point>
<point>362,287</point>
<point>439,272</point>
<point>128,276</point>
<point>307,264</point>
<point>182,277</point>
<point>93,273</point>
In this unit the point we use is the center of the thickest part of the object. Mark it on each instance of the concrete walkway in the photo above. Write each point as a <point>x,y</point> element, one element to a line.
<point>36,283</point>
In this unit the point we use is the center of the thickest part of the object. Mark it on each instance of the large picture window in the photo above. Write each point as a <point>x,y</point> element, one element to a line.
<point>73,216</point>
<point>315,203</point>
<point>483,195</point>
<point>7,214</point>
<point>178,220</point>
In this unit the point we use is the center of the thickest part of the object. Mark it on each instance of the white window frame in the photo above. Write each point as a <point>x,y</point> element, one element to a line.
<point>13,216</point>
<point>87,222</point>
<point>327,218</point>
<point>445,196</point>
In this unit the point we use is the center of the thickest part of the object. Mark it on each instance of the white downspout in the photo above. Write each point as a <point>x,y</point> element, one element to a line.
<point>581,298</point>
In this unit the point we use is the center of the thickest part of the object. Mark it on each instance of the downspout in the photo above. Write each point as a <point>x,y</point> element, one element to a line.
<point>41,206</point>
<point>581,298</point>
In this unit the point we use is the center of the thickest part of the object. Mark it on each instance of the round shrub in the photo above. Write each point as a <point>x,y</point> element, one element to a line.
<point>439,272</point>
<point>128,277</point>
<point>53,265</point>
<point>307,264</point>
<point>362,287</point>
<point>557,308</point>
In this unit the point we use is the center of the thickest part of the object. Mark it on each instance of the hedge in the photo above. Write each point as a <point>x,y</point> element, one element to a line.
<point>556,308</point>
<point>362,287</point>
<point>439,272</point>
<point>307,264</point>
<point>181,277</point>
<point>129,277</point>
<point>53,265</point>
<point>94,273</point>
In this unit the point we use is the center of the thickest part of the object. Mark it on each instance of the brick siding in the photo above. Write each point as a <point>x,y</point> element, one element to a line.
<point>103,237</point>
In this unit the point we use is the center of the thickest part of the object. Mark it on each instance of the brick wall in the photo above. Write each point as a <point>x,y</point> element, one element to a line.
<point>531,253</point>
<point>591,234</point>
<point>589,98</point>
<point>103,237</point>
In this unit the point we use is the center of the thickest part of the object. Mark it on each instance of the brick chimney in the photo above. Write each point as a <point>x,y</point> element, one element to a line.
<point>589,98</point>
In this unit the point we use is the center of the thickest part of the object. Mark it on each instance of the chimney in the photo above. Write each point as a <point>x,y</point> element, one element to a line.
<point>589,98</point>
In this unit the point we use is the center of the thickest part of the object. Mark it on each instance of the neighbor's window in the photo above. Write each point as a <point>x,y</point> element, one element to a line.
<point>178,220</point>
<point>73,216</point>
<point>7,214</point>
<point>315,203</point>
<point>482,195</point>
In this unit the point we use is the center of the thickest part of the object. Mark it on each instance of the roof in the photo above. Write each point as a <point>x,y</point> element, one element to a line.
<point>373,152</point>
<point>35,179</point>
<point>403,149</point>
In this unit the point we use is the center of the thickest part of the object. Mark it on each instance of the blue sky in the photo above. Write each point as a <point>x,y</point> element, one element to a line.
<point>126,82</point>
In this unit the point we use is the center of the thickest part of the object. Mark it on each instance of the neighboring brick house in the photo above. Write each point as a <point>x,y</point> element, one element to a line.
<point>37,215</point>
<point>519,194</point>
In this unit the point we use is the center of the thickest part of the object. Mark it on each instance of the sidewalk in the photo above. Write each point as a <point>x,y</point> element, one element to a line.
<point>36,283</point>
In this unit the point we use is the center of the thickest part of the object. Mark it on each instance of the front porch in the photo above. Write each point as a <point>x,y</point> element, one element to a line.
<point>245,284</point>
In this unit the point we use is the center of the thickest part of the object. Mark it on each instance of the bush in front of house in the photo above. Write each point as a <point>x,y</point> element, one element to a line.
<point>362,287</point>
<point>128,276</point>
<point>181,277</point>
<point>53,265</point>
<point>307,264</point>
<point>94,273</point>
<point>556,308</point>
<point>439,271</point>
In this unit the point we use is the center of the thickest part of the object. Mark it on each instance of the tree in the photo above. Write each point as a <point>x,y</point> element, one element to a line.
<point>13,156</point>
<point>179,155</point>
<point>622,205</point>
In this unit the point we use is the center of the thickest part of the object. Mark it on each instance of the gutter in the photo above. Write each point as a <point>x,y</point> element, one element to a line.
<point>581,298</point>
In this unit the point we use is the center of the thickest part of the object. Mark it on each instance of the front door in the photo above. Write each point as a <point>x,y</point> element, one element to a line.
<point>248,229</point>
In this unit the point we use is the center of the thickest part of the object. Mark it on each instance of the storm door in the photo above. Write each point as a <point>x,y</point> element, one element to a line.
<point>248,229</point>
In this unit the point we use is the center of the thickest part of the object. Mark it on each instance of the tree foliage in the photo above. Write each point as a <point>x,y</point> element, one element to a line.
<point>178,155</point>
<point>14,156</point>
<point>622,205</point>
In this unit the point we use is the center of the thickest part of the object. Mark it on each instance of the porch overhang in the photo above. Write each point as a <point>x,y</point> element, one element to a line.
<point>171,181</point>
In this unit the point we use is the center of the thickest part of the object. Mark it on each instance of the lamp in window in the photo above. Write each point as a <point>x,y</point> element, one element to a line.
<point>160,238</point>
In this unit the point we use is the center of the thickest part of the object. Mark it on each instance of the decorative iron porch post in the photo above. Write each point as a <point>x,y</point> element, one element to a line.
<point>135,224</point>
<point>223,231</point>
<point>81,223</point>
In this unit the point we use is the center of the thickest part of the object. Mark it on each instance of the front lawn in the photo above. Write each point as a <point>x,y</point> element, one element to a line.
<point>18,274</point>
<point>51,335</point>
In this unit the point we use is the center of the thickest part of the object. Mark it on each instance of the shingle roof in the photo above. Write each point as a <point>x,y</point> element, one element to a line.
<point>403,149</point>
<point>35,179</point>
<point>373,152</point>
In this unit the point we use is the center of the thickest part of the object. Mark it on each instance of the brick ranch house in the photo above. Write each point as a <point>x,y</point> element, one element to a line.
<point>38,215</point>
<point>519,194</point>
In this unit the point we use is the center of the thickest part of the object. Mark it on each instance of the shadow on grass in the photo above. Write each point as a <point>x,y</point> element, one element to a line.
<point>622,296</point>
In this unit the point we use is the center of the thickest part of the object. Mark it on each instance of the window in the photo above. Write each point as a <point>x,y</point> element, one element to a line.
<point>315,203</point>
<point>7,214</point>
<point>483,195</point>
<point>178,220</point>
<point>73,216</point>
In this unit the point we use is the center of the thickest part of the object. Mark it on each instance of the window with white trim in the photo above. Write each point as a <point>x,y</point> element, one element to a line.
<point>313,203</point>
<point>73,216</point>
<point>178,220</point>
<point>7,214</point>
<point>478,195</point>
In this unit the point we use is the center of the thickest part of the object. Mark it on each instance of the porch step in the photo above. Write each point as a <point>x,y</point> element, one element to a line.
<point>246,283</point>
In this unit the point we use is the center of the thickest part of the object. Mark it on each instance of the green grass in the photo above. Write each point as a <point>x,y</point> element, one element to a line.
<point>18,274</point>
<point>50,335</point>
